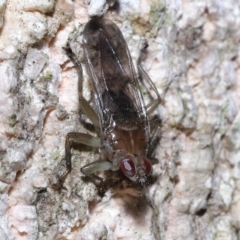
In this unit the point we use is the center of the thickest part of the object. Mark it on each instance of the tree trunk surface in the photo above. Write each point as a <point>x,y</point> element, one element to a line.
<point>192,58</point>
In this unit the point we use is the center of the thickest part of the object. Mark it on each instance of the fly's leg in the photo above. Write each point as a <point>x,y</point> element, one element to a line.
<point>74,139</point>
<point>152,106</point>
<point>100,165</point>
<point>84,105</point>
<point>96,166</point>
<point>155,125</point>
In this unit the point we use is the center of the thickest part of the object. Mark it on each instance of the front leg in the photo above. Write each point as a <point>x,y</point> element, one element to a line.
<point>96,166</point>
<point>101,165</point>
<point>74,139</point>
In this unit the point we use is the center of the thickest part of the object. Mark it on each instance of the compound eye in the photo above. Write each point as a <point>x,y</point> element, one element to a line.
<point>128,167</point>
<point>148,166</point>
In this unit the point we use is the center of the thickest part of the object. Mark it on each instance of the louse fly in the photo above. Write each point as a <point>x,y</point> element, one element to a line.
<point>122,122</point>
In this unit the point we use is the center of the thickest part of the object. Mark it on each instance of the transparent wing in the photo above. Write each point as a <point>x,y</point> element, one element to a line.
<point>115,84</point>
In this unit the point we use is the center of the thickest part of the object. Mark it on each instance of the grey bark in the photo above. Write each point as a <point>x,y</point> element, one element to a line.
<point>193,58</point>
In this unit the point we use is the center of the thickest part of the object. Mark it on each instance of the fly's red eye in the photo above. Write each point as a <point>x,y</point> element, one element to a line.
<point>128,167</point>
<point>148,166</point>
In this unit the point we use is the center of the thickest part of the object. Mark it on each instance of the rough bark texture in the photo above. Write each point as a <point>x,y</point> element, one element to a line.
<point>193,58</point>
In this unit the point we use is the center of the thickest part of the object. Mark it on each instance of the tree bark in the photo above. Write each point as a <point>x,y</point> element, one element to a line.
<point>193,59</point>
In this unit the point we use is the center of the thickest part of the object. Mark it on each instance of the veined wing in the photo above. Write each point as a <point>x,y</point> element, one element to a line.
<point>115,84</point>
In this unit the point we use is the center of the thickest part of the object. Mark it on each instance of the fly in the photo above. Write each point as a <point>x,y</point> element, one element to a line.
<point>123,124</point>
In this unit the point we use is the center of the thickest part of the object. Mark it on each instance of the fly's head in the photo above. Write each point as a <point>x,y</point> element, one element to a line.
<point>136,168</point>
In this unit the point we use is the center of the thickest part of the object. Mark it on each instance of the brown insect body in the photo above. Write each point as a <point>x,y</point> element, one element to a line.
<point>119,115</point>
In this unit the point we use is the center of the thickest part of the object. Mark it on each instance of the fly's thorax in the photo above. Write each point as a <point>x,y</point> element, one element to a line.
<point>129,138</point>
